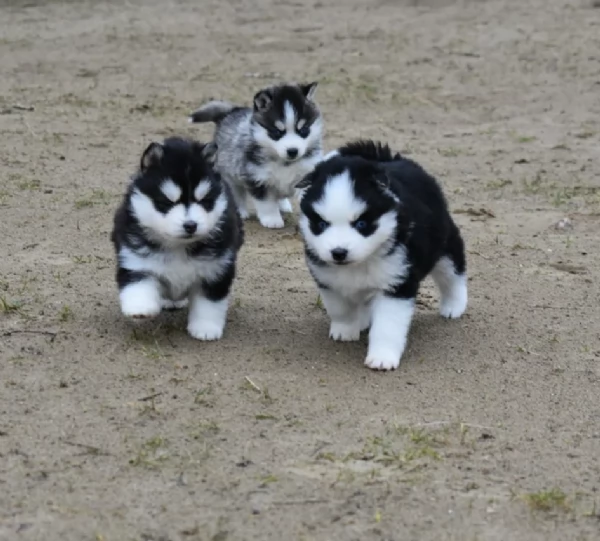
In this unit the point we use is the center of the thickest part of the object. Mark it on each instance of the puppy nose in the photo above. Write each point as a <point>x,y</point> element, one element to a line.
<point>339,254</point>
<point>292,152</point>
<point>190,227</point>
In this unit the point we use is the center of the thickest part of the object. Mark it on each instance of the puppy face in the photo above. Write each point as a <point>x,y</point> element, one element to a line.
<point>177,198</point>
<point>347,212</point>
<point>287,123</point>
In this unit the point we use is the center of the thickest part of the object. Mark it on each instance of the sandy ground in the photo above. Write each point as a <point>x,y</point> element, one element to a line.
<point>490,429</point>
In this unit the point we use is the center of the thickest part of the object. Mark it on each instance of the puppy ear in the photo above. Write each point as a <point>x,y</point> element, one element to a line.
<point>152,156</point>
<point>309,90</point>
<point>262,100</point>
<point>209,152</point>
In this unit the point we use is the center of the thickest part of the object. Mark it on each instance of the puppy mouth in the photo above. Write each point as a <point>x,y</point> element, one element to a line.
<point>341,263</point>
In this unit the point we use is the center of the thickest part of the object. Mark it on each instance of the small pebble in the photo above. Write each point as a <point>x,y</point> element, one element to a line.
<point>565,223</point>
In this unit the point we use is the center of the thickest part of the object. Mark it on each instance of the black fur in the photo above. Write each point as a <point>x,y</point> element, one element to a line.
<point>186,162</point>
<point>386,181</point>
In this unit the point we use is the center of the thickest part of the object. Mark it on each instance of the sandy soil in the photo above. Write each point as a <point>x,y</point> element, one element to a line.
<point>490,429</point>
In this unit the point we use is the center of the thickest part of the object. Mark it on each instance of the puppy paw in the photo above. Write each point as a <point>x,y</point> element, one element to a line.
<point>453,306</point>
<point>344,332</point>
<point>285,205</point>
<point>140,301</point>
<point>205,330</point>
<point>271,221</point>
<point>244,214</point>
<point>382,360</point>
<point>168,304</point>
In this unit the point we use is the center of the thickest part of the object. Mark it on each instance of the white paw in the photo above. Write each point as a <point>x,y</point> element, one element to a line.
<point>168,304</point>
<point>271,221</point>
<point>454,306</point>
<point>244,214</point>
<point>204,329</point>
<point>382,360</point>
<point>344,332</point>
<point>285,205</point>
<point>140,301</point>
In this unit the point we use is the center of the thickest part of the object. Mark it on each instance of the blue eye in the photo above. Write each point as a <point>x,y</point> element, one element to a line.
<point>303,131</point>
<point>322,225</point>
<point>361,225</point>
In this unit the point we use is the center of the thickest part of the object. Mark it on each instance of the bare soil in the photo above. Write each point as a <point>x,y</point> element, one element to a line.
<point>490,429</point>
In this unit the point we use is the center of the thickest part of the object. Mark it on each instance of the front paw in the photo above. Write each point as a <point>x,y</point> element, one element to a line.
<point>453,307</point>
<point>205,330</point>
<point>285,206</point>
<point>140,302</point>
<point>382,360</point>
<point>344,332</point>
<point>274,221</point>
<point>244,214</point>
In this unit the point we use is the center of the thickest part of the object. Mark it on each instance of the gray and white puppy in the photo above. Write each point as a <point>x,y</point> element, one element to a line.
<point>264,151</point>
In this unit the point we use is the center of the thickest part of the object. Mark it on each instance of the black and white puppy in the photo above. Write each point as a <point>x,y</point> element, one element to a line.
<point>177,235</point>
<point>264,151</point>
<point>375,225</point>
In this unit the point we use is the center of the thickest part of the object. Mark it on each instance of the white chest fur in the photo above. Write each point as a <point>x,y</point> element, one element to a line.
<point>359,283</point>
<point>175,269</point>
<point>283,178</point>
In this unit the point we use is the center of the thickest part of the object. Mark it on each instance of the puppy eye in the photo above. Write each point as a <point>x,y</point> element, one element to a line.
<point>322,225</point>
<point>303,131</point>
<point>276,134</point>
<point>360,225</point>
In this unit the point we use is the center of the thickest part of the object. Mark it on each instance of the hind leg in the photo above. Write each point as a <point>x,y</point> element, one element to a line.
<point>450,276</point>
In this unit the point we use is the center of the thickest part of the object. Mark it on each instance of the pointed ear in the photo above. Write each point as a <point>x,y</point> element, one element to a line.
<point>209,152</point>
<point>309,90</point>
<point>152,156</point>
<point>262,100</point>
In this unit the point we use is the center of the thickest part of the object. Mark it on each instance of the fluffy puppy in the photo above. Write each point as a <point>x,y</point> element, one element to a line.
<point>264,151</point>
<point>176,236</point>
<point>374,225</point>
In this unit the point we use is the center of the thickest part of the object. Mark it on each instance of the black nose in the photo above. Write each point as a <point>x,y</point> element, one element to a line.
<point>339,254</point>
<point>190,227</point>
<point>292,152</point>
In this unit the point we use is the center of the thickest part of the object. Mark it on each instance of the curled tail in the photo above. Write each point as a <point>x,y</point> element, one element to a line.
<point>213,111</point>
<point>369,150</point>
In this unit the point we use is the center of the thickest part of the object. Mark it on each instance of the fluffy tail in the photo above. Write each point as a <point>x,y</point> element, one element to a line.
<point>369,150</point>
<point>213,111</point>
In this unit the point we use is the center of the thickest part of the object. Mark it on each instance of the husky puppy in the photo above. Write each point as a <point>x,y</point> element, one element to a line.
<point>264,151</point>
<point>177,235</point>
<point>375,224</point>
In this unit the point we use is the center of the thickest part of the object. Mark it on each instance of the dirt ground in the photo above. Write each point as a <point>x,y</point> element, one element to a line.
<point>489,430</point>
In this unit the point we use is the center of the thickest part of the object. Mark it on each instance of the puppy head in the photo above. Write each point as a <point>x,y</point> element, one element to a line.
<point>347,211</point>
<point>286,122</point>
<point>177,197</point>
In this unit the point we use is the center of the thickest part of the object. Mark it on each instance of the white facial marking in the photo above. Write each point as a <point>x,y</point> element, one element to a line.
<point>171,190</point>
<point>452,286</point>
<point>168,228</point>
<point>201,190</point>
<point>291,139</point>
<point>391,319</point>
<point>340,207</point>
<point>206,320</point>
<point>279,125</point>
<point>301,123</point>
